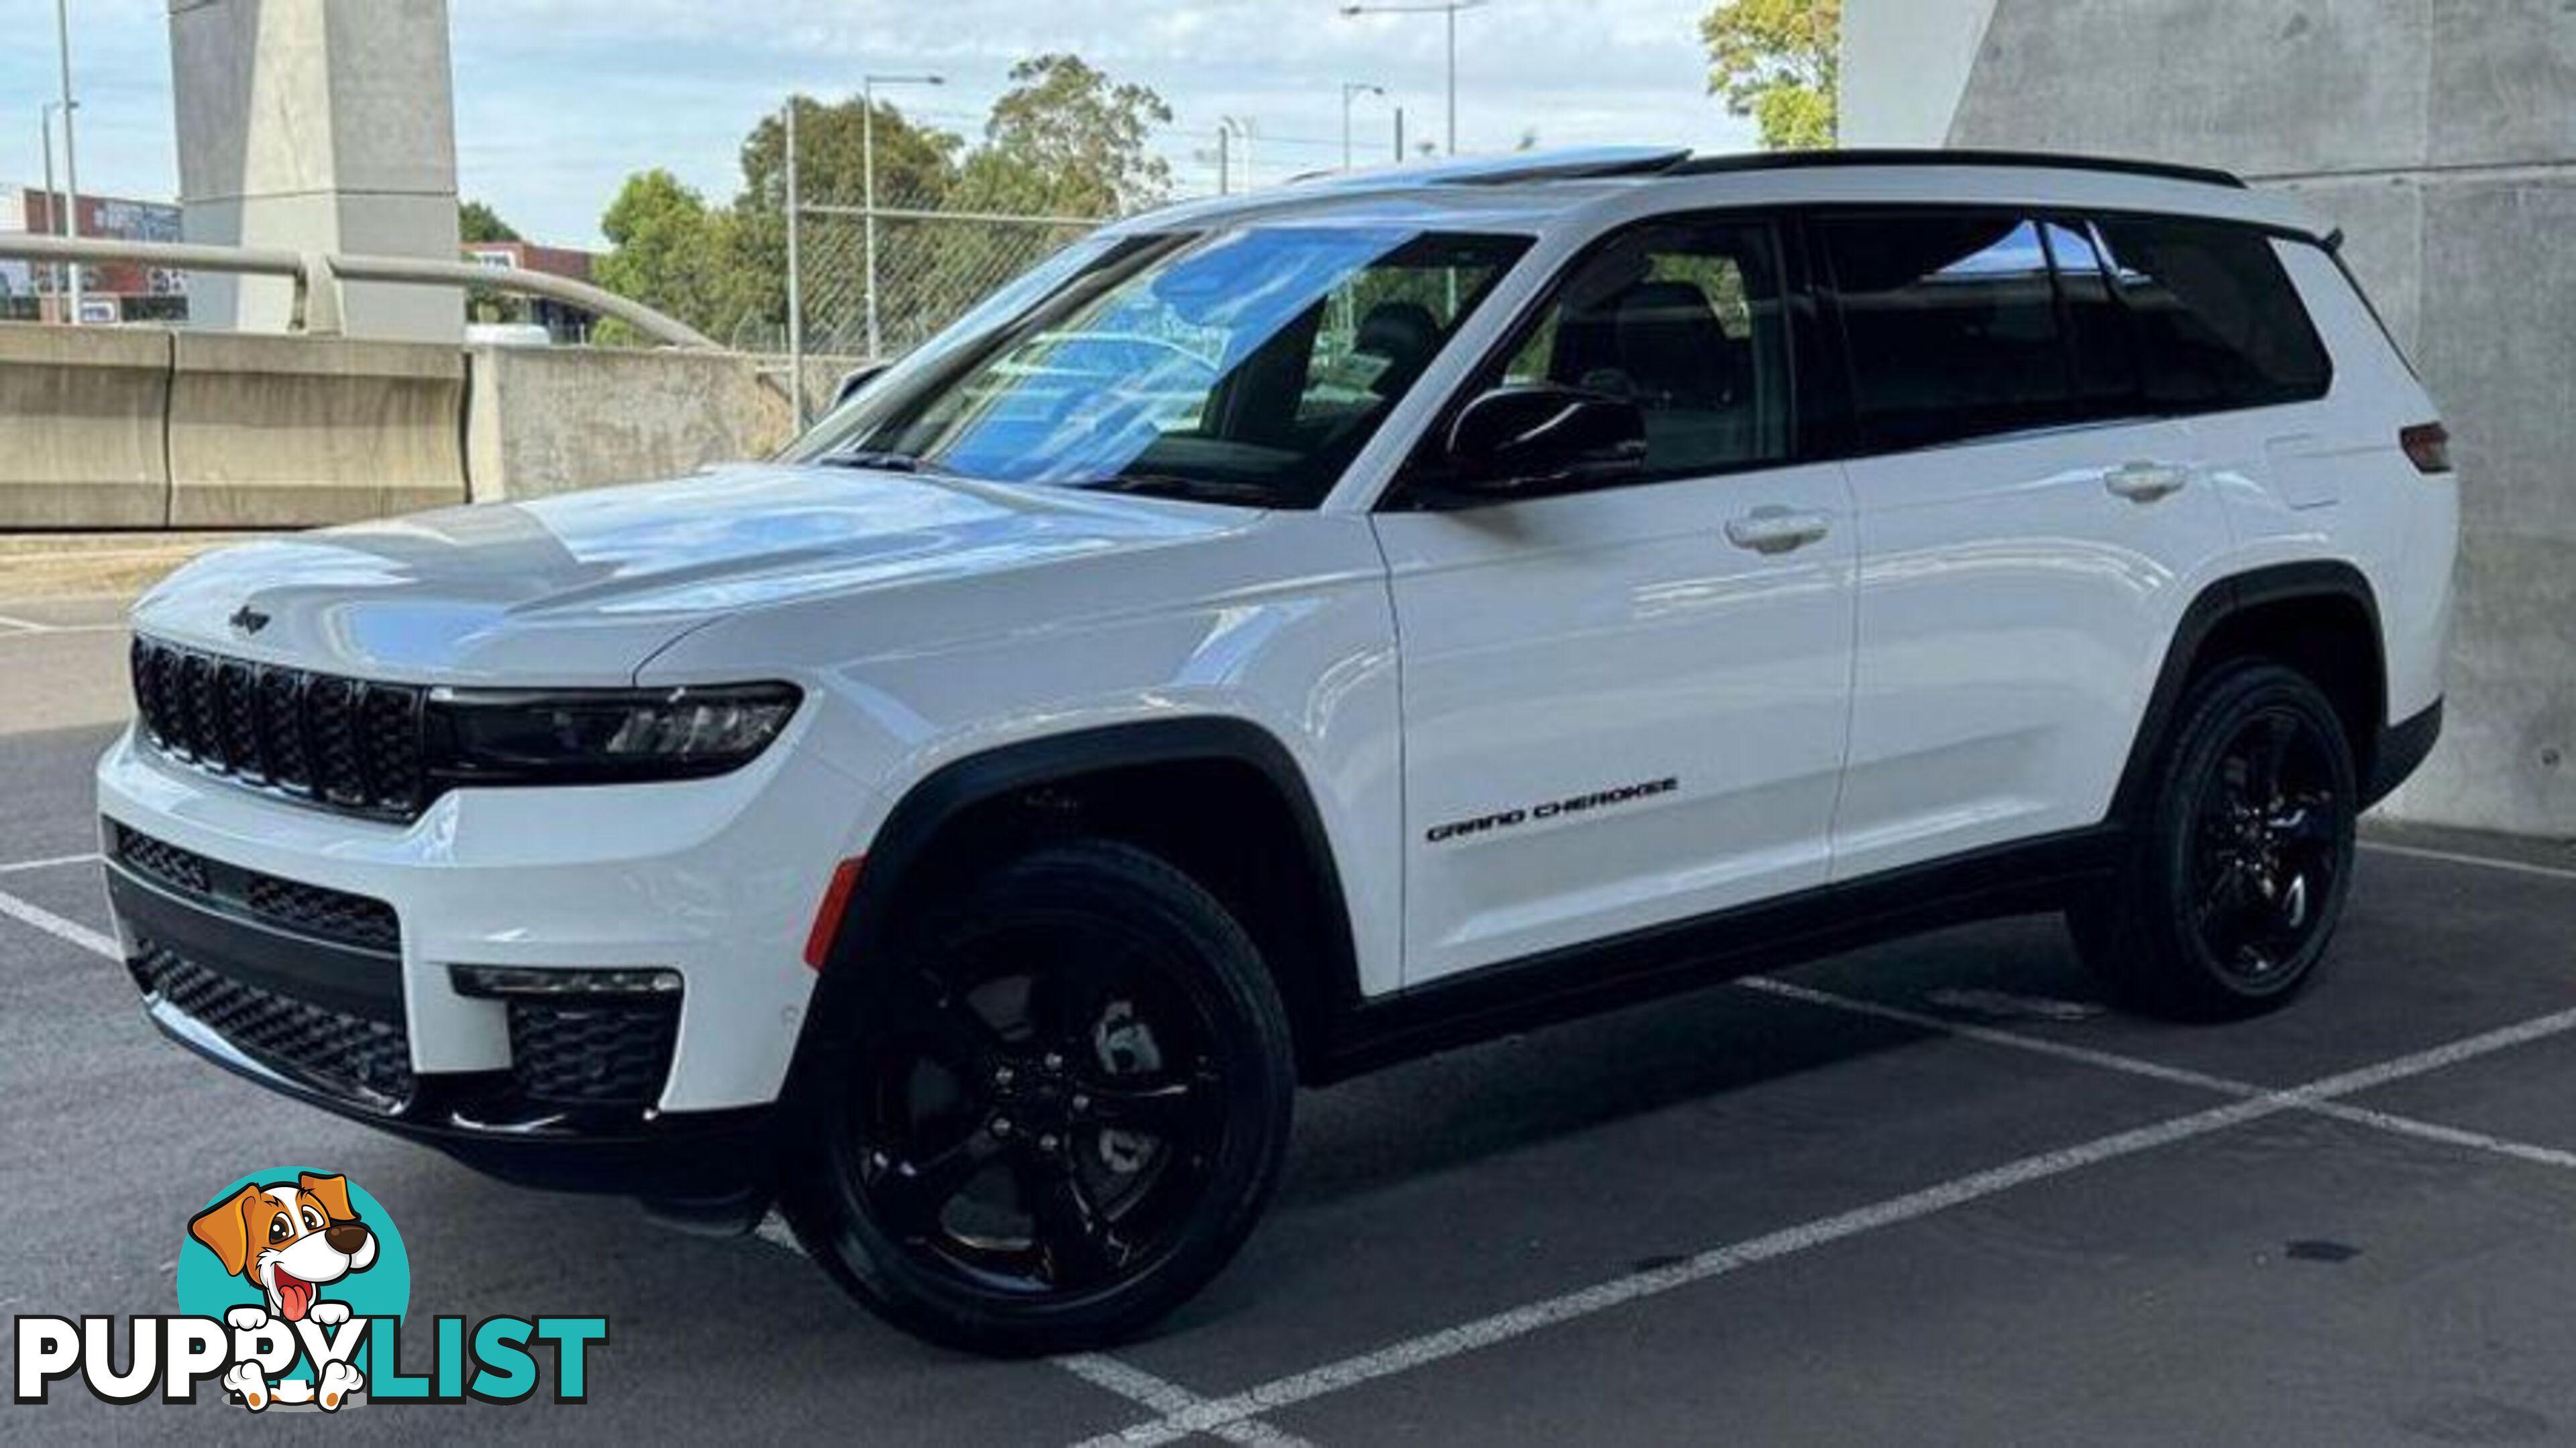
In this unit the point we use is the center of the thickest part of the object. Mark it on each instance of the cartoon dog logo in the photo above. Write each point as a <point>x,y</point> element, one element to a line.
<point>289,1240</point>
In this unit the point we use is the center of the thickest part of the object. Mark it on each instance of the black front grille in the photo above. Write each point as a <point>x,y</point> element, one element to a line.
<point>181,870</point>
<point>350,1055</point>
<point>593,1054</point>
<point>351,744</point>
<point>315,910</point>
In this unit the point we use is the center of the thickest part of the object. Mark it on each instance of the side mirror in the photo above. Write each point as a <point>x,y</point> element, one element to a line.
<point>1532,439</point>
<point>854,379</point>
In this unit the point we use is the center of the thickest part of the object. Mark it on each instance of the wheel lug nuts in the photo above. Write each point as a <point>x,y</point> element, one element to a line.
<point>1001,1126</point>
<point>1001,1075</point>
<point>1047,1142</point>
<point>1082,1103</point>
<point>1054,1062</point>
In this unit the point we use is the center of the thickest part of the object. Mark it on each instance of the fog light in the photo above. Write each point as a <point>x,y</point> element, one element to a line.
<point>521,982</point>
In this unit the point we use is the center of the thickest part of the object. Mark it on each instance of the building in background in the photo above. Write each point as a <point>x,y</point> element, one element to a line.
<point>565,324</point>
<point>116,293</point>
<point>2442,139</point>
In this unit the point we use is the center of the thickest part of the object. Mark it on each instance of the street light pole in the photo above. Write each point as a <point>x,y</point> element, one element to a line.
<point>71,154</point>
<point>52,198</point>
<point>1241,126</point>
<point>868,183</point>
<point>1452,16</point>
<point>795,276</point>
<point>1351,88</point>
<point>1449,10</point>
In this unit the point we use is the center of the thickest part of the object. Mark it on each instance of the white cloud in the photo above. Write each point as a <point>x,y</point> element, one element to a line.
<point>558,100</point>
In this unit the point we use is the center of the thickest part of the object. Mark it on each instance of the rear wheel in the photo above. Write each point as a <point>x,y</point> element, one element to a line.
<point>2237,879</point>
<point>1063,1110</point>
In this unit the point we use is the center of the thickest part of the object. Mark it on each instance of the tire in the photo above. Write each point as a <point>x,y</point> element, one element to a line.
<point>1061,1112</point>
<point>2232,888</point>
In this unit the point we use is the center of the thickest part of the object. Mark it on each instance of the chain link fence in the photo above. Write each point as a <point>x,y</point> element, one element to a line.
<point>925,265</point>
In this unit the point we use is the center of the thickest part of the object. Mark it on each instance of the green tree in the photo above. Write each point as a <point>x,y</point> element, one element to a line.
<point>478,222</point>
<point>916,168</point>
<point>672,252</point>
<point>1068,140</point>
<point>1065,140</point>
<point>1780,62</point>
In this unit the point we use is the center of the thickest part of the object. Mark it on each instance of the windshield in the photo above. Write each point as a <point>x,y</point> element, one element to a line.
<point>1242,367</point>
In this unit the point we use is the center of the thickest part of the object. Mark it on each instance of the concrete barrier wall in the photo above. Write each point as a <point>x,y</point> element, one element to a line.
<point>547,420</point>
<point>152,428</point>
<point>81,437</point>
<point>274,431</point>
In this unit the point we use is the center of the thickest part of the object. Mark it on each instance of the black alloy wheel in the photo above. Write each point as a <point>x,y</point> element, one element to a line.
<point>2268,847</point>
<point>2241,858</point>
<point>1062,1112</point>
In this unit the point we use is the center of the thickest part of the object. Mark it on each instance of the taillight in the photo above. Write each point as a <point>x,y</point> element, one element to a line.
<point>2428,447</point>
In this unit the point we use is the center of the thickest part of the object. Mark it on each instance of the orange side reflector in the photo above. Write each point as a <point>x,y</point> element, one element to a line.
<point>827,921</point>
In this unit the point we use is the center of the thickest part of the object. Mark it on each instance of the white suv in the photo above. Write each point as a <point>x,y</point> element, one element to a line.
<point>1290,632</point>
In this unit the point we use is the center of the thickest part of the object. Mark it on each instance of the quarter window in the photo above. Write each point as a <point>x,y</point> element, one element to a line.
<point>2219,324</point>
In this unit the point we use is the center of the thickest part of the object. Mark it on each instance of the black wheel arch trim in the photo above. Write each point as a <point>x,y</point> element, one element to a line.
<point>2220,601</point>
<point>948,792</point>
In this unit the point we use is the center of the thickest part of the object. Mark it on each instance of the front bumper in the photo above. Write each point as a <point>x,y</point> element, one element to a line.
<point>322,1020</point>
<point>312,952</point>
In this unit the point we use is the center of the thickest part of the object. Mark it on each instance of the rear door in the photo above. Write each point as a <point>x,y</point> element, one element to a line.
<point>1627,706</point>
<point>2029,530</point>
<point>2227,346</point>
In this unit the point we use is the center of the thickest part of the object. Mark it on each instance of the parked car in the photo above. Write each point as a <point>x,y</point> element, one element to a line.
<point>1501,589</point>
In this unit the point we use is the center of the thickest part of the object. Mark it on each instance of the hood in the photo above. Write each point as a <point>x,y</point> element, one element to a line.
<point>583,588</point>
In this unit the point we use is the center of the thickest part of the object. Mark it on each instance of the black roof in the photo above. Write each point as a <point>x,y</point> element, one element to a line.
<point>1891,156</point>
<point>1646,162</point>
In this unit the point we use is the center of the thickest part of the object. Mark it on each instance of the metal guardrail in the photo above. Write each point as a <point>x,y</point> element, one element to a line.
<point>317,276</point>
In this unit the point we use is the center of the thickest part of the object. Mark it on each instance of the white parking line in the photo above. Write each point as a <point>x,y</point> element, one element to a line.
<point>2158,1071</point>
<point>2454,857</point>
<point>1718,1261</point>
<point>56,861</point>
<point>1170,1399</point>
<point>60,928</point>
<point>1157,1395</point>
<point>23,630</point>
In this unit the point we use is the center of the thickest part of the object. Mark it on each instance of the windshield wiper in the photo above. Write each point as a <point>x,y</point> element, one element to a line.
<point>1170,485</point>
<point>882,460</point>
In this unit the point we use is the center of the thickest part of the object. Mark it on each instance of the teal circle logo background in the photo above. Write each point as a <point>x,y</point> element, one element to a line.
<point>382,1290</point>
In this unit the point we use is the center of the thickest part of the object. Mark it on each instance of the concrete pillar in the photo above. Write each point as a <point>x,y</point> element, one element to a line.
<point>322,126</point>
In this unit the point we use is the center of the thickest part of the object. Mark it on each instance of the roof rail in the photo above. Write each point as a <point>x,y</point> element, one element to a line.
<point>1577,163</point>
<point>1894,156</point>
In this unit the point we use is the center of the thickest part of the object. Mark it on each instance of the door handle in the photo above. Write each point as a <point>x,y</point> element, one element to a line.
<point>2145,482</point>
<point>1774,529</point>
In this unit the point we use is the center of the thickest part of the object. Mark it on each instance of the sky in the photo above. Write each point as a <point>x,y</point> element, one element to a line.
<point>558,101</point>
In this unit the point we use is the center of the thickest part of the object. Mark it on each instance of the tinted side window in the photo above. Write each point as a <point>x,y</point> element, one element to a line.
<point>1686,320</point>
<point>1952,326</point>
<point>2219,324</point>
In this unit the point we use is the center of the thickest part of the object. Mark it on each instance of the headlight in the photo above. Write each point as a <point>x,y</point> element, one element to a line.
<point>599,736</point>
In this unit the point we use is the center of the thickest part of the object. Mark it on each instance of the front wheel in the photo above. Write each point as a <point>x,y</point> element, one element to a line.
<point>2234,886</point>
<point>1063,1110</point>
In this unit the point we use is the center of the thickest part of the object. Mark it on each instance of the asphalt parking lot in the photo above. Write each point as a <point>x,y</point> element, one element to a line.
<point>1930,1192</point>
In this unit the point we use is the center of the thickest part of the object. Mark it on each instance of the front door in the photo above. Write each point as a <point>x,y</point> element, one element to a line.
<point>1627,706</point>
